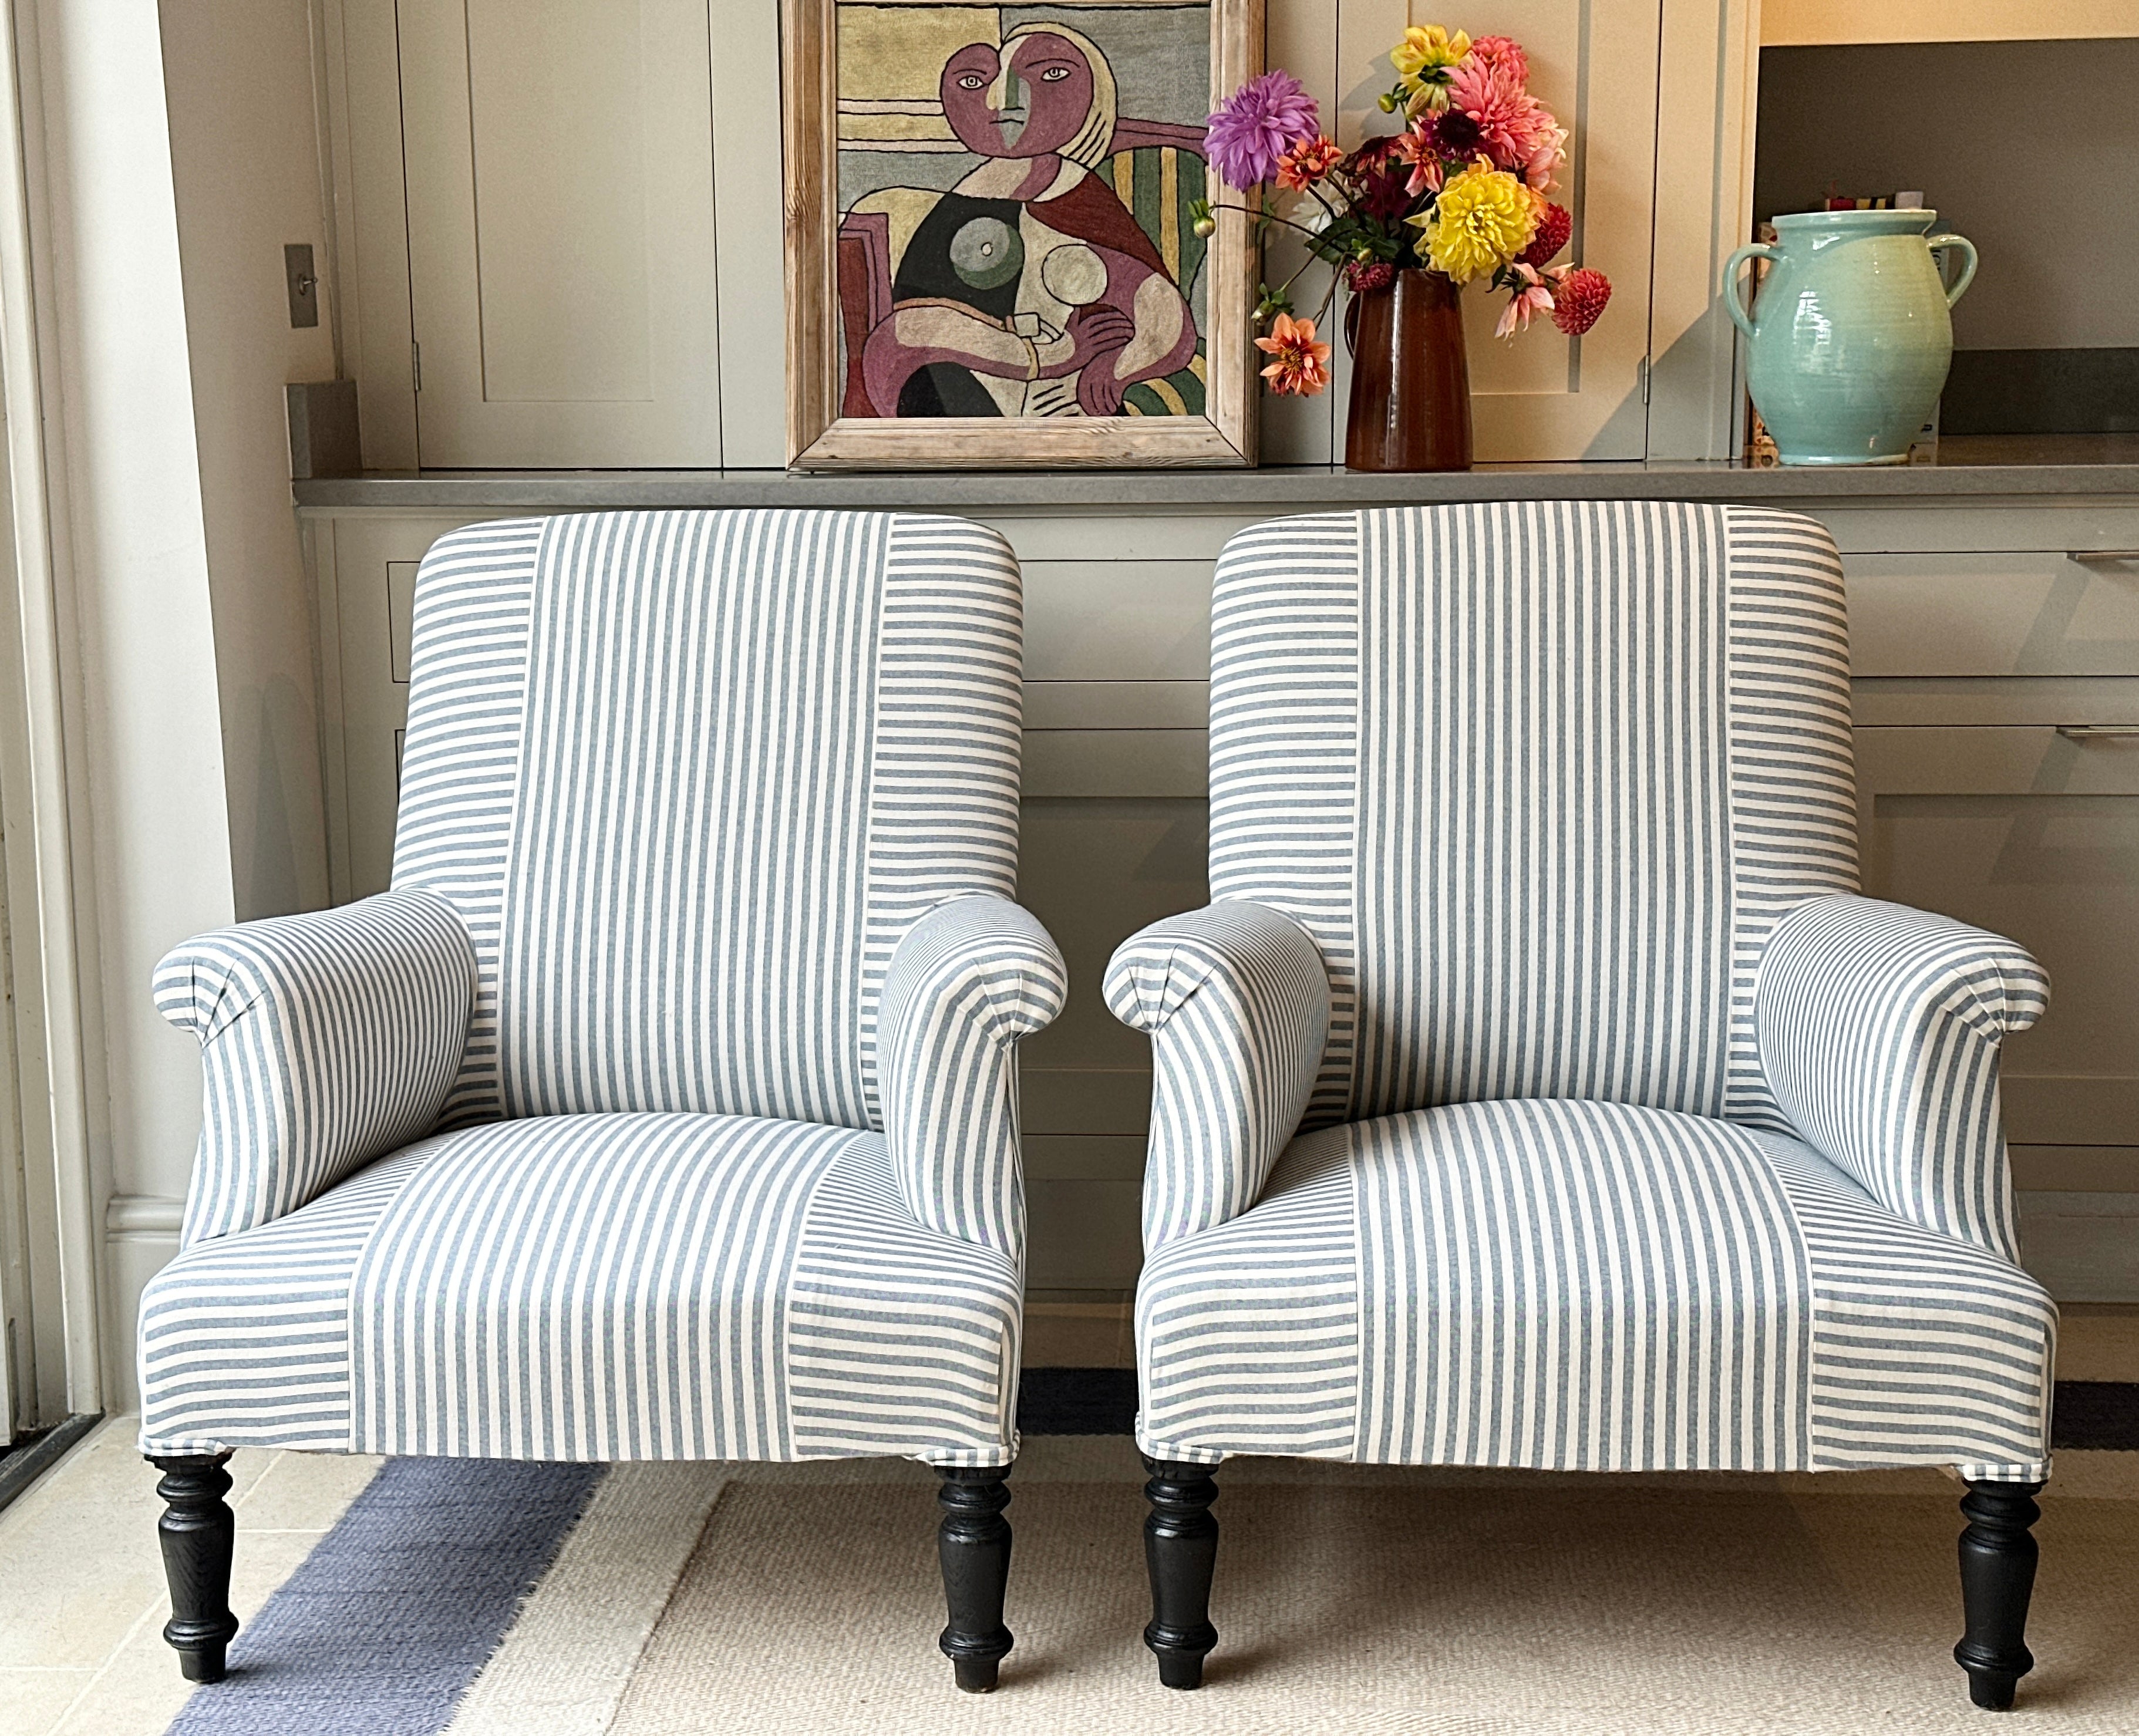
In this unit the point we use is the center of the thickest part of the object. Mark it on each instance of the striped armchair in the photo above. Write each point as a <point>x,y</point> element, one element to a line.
<point>662,1108</point>
<point>1538,1091</point>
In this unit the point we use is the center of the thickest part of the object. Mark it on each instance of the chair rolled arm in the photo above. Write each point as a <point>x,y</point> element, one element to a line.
<point>965,983</point>
<point>1878,1028</point>
<point>327,1039</point>
<point>1236,1000</point>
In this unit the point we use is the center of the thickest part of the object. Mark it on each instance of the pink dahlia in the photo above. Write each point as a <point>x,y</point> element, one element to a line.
<point>1419,145</point>
<point>1257,124</point>
<point>1506,54</point>
<point>1531,298</point>
<point>1578,299</point>
<point>1514,129</point>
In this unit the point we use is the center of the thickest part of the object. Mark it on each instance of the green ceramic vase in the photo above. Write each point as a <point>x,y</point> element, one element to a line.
<point>1849,340</point>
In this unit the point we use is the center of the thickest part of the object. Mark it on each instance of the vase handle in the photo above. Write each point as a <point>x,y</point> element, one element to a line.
<point>1935,242</point>
<point>1351,325</point>
<point>1739,317</point>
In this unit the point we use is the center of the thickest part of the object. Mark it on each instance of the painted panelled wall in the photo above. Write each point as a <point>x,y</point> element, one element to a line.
<point>563,218</point>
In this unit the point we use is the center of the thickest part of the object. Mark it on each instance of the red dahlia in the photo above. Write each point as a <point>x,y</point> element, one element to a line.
<point>1553,230</point>
<point>1365,275</point>
<point>1578,299</point>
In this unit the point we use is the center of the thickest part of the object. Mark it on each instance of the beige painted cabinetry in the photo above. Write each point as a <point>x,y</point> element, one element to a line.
<point>1998,773</point>
<point>1993,672</point>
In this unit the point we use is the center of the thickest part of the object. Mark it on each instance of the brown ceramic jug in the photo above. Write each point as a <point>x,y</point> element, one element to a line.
<point>1411,383</point>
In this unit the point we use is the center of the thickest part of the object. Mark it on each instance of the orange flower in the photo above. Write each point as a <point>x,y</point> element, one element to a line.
<point>1307,162</point>
<point>1298,365</point>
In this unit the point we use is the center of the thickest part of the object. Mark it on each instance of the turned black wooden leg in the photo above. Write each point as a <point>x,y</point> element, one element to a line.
<point>197,1530</point>
<point>1997,1575</point>
<point>974,1543</point>
<point>1181,1549</point>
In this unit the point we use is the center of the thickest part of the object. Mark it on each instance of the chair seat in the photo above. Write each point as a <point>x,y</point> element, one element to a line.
<point>1587,1286</point>
<point>595,1287</point>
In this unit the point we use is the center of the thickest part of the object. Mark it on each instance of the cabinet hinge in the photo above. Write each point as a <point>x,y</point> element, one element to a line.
<point>1645,379</point>
<point>416,366</point>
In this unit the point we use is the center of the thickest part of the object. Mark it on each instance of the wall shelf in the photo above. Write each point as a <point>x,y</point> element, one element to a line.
<point>1287,488</point>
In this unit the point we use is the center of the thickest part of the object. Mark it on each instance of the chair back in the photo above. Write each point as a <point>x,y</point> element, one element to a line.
<point>689,777</point>
<point>1539,778</point>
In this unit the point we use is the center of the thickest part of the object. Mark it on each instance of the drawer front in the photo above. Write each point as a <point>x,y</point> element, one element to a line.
<point>2029,833</point>
<point>2044,612</point>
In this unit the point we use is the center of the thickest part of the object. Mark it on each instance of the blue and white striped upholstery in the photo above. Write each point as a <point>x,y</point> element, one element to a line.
<point>700,975</point>
<point>674,1286</point>
<point>1634,1138</point>
<point>1238,1003</point>
<point>325,1041</point>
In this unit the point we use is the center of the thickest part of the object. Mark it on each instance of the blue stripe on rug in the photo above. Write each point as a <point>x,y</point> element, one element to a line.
<point>383,1626</point>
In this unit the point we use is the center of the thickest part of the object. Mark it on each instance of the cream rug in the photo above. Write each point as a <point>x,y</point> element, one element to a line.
<point>805,1599</point>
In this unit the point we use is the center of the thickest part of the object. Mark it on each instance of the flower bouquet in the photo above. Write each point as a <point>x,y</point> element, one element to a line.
<point>1459,193</point>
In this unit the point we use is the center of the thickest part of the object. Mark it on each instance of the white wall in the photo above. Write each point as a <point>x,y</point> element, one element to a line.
<point>150,831</point>
<point>244,154</point>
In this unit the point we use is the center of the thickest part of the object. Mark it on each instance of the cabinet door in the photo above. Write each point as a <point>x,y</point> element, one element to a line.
<point>2030,833</point>
<point>559,186</point>
<point>1541,396</point>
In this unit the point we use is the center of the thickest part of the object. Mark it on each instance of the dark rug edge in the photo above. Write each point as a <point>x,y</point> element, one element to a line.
<point>2089,1417</point>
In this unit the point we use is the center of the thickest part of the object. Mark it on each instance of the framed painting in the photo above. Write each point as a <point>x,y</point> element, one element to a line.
<point>993,261</point>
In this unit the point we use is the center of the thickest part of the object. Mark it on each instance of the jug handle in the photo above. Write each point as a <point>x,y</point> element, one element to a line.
<point>1967,271</point>
<point>1762,250</point>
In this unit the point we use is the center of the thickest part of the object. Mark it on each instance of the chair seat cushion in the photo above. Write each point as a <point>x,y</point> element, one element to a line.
<point>595,1287</point>
<point>1587,1286</point>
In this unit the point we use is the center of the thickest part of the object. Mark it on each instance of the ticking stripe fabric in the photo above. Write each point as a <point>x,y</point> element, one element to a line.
<point>697,993</point>
<point>689,777</point>
<point>1236,1000</point>
<point>1538,778</point>
<point>1587,1286</point>
<point>614,1287</point>
<point>326,1040</point>
<point>1879,1028</point>
<point>1636,1139</point>
<point>969,980</point>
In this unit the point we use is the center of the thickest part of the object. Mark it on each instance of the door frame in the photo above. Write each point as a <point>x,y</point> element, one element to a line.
<point>43,1045</point>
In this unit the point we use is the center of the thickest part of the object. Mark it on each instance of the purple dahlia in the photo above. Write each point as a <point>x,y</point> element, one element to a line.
<point>1257,124</point>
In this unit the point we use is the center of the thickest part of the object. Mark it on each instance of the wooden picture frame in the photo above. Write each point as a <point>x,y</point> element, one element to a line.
<point>1157,422</point>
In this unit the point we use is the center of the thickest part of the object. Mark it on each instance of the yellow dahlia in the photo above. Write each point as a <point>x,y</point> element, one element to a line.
<point>1421,60</point>
<point>1483,218</point>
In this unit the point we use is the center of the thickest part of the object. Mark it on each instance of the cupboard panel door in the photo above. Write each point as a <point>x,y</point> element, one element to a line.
<point>2033,834</point>
<point>560,183</point>
<point>1541,396</point>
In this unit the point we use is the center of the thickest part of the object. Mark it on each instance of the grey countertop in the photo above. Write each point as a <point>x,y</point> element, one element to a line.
<point>1982,467</point>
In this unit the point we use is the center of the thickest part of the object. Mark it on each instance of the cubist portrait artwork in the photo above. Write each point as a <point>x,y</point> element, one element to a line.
<point>1014,190</point>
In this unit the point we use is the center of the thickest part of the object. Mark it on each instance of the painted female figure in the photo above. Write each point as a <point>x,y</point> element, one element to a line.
<point>1028,289</point>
